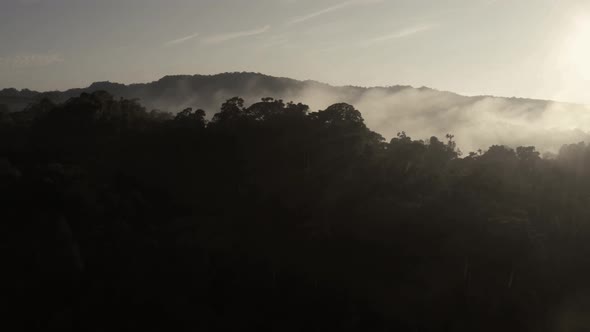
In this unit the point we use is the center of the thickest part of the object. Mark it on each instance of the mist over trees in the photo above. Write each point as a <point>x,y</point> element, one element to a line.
<point>271,217</point>
<point>478,122</point>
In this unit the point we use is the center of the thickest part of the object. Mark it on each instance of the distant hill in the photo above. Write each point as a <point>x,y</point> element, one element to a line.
<point>172,93</point>
<point>421,112</point>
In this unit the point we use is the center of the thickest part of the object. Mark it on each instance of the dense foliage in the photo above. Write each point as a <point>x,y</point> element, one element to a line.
<point>271,217</point>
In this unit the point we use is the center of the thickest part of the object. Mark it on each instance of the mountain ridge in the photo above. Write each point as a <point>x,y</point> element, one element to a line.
<point>477,121</point>
<point>109,85</point>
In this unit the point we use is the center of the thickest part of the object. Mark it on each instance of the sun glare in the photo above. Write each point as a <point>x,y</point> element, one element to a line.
<point>576,52</point>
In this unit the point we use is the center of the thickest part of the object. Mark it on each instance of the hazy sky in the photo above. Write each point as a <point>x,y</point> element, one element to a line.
<point>529,48</point>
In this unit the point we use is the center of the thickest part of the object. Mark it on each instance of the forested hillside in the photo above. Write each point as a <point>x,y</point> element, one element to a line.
<point>478,122</point>
<point>271,217</point>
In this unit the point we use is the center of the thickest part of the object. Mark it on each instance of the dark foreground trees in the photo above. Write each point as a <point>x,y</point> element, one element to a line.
<point>273,218</point>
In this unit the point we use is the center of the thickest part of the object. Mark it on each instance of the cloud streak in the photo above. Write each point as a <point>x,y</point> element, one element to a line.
<point>340,6</point>
<point>404,33</point>
<point>216,39</point>
<point>181,40</point>
<point>30,60</point>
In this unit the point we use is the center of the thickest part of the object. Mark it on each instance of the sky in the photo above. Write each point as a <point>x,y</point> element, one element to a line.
<point>525,48</point>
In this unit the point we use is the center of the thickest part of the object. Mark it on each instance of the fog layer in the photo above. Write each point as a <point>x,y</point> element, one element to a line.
<point>476,122</point>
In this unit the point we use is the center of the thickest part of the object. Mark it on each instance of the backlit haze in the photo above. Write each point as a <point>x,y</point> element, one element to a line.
<point>535,49</point>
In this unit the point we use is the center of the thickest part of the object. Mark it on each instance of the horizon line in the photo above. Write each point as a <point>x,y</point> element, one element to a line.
<point>303,81</point>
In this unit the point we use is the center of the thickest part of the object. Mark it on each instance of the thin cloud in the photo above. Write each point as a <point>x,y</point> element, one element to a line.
<point>216,39</point>
<point>30,60</point>
<point>30,2</point>
<point>181,40</point>
<point>339,6</point>
<point>404,33</point>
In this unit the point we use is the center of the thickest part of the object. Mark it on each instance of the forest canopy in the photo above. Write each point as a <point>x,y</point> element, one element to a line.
<point>274,217</point>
